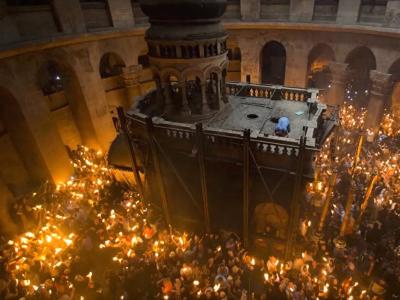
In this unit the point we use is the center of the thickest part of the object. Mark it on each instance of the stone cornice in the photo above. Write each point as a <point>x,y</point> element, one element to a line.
<point>322,27</point>
<point>62,40</point>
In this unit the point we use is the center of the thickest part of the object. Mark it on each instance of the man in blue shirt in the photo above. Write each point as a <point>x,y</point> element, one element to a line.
<point>283,127</point>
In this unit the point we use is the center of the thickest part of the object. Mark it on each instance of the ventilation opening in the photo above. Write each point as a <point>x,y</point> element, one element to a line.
<point>252,116</point>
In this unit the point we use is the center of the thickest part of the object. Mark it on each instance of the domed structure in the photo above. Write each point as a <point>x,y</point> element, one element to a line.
<point>191,11</point>
<point>188,57</point>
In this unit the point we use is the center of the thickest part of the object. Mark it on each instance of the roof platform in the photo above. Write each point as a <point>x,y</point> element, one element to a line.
<point>250,107</point>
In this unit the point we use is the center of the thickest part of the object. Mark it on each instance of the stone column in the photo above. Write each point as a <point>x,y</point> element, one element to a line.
<point>223,87</point>
<point>392,15</point>
<point>167,96</point>
<point>301,10</point>
<point>348,12</point>
<point>205,108</point>
<point>121,13</point>
<point>70,16</point>
<point>185,110</point>
<point>8,29</point>
<point>336,93</point>
<point>130,76</point>
<point>219,89</point>
<point>296,67</point>
<point>381,85</point>
<point>250,9</point>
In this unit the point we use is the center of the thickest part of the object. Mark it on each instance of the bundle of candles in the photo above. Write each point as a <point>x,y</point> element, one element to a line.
<point>94,238</point>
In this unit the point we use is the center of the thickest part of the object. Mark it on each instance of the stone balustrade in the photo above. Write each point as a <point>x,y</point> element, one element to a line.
<point>273,92</point>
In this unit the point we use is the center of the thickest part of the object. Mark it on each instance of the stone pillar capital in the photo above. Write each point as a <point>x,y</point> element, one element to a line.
<point>339,74</point>
<point>339,71</point>
<point>381,82</point>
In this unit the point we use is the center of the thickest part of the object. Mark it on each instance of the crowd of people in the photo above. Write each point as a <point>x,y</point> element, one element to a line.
<point>95,238</point>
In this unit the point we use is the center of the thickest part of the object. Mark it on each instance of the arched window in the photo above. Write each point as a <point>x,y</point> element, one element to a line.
<point>273,63</point>
<point>111,65</point>
<point>394,102</point>
<point>51,78</point>
<point>361,61</point>
<point>318,74</point>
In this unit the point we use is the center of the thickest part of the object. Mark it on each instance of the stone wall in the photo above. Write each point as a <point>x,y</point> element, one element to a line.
<point>21,23</point>
<point>299,43</point>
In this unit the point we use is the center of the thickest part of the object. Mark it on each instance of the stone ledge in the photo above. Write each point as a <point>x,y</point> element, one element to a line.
<point>61,40</point>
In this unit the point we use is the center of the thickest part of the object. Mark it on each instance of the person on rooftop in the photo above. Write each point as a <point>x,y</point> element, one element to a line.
<point>283,127</point>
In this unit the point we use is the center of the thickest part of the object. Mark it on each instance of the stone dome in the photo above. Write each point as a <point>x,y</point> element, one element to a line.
<point>183,10</point>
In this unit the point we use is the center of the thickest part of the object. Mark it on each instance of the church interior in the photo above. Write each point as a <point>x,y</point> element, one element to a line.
<point>199,149</point>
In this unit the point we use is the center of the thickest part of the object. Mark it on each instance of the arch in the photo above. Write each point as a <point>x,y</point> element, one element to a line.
<point>190,74</point>
<point>194,79</point>
<point>394,102</point>
<point>273,63</point>
<point>20,163</point>
<point>361,61</point>
<point>318,74</point>
<point>51,78</point>
<point>167,72</point>
<point>395,70</point>
<point>66,104</point>
<point>111,64</point>
<point>213,69</point>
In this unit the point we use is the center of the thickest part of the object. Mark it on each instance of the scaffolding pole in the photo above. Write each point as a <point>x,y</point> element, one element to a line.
<point>246,167</point>
<point>157,169</point>
<point>125,130</point>
<point>295,205</point>
<point>203,174</point>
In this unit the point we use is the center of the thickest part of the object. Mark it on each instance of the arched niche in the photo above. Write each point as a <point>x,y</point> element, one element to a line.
<point>194,88</point>
<point>273,63</point>
<point>21,166</point>
<point>172,89</point>
<point>394,103</point>
<point>111,64</point>
<point>214,88</point>
<point>318,74</point>
<point>63,94</point>
<point>361,61</point>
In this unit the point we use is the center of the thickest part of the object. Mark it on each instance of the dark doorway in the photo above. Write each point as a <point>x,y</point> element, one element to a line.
<point>273,63</point>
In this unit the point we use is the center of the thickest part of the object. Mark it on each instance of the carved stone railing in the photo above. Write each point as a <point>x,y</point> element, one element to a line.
<point>269,143</point>
<point>274,92</point>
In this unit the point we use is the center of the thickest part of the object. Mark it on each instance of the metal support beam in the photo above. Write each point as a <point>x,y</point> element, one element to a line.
<point>203,175</point>
<point>246,168</point>
<point>157,169</point>
<point>297,196</point>
<point>125,131</point>
<point>327,202</point>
